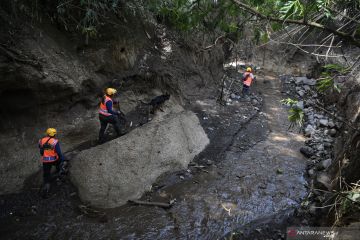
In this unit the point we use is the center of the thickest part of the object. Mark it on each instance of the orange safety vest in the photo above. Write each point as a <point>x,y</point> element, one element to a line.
<point>103,110</point>
<point>48,145</point>
<point>248,78</point>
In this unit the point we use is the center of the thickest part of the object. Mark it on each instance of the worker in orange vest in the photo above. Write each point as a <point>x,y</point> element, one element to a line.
<point>247,78</point>
<point>107,114</point>
<point>50,156</point>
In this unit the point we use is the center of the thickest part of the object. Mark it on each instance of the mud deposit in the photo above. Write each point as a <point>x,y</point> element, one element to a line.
<point>251,171</point>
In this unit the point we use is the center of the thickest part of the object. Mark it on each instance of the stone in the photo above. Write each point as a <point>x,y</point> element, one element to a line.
<point>307,151</point>
<point>110,174</point>
<point>320,147</point>
<point>300,104</point>
<point>323,122</point>
<point>332,132</point>
<point>300,80</point>
<point>306,88</point>
<point>254,102</point>
<point>327,144</point>
<point>301,93</point>
<point>311,172</point>
<point>310,82</point>
<point>233,96</point>
<point>323,181</point>
<point>309,130</point>
<point>331,124</point>
<point>326,163</point>
<point>312,209</point>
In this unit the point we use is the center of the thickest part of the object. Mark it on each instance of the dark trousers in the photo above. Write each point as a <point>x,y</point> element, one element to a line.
<point>104,121</point>
<point>245,89</point>
<point>47,170</point>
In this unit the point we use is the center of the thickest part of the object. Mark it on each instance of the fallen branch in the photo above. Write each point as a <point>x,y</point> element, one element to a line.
<point>157,204</point>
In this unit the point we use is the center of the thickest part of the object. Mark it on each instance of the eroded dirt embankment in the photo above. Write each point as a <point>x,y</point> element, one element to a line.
<point>251,170</point>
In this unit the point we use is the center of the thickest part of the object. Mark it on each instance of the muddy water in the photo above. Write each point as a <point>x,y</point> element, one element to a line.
<point>251,170</point>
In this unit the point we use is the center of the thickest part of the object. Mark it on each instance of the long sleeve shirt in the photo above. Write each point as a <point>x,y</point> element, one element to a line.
<point>109,108</point>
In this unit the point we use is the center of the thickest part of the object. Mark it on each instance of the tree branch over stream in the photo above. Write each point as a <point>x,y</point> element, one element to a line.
<point>345,36</point>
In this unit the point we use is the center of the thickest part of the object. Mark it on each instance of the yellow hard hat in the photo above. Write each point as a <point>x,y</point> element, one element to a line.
<point>51,132</point>
<point>110,91</point>
<point>248,69</point>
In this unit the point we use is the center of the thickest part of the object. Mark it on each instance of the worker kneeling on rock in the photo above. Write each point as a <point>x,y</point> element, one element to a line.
<point>107,114</point>
<point>247,78</point>
<point>51,156</point>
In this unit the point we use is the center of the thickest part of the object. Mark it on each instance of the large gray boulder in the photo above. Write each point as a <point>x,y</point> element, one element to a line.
<point>110,174</point>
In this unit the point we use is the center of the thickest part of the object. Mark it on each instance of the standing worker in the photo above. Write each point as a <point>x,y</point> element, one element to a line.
<point>247,78</point>
<point>107,114</point>
<point>50,156</point>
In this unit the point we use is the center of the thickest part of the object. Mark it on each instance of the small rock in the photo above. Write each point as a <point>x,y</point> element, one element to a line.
<point>332,132</point>
<point>307,151</point>
<point>309,130</point>
<point>300,104</point>
<point>326,163</point>
<point>311,172</point>
<point>331,124</point>
<point>300,80</point>
<point>233,96</point>
<point>312,209</point>
<point>256,108</point>
<point>209,162</point>
<point>181,177</point>
<point>254,102</point>
<point>301,93</point>
<point>324,122</point>
<point>320,147</point>
<point>323,181</point>
<point>306,88</point>
<point>310,82</point>
<point>279,171</point>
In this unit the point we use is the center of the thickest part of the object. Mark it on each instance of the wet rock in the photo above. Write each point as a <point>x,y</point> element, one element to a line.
<point>134,161</point>
<point>307,151</point>
<point>324,122</point>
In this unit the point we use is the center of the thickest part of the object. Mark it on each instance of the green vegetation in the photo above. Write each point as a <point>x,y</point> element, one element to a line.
<point>85,16</point>
<point>224,17</point>
<point>296,114</point>
<point>328,76</point>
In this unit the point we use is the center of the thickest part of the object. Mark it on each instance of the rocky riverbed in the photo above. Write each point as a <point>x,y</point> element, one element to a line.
<point>251,170</point>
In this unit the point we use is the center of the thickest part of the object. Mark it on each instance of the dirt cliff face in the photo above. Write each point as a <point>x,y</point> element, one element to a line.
<point>51,78</point>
